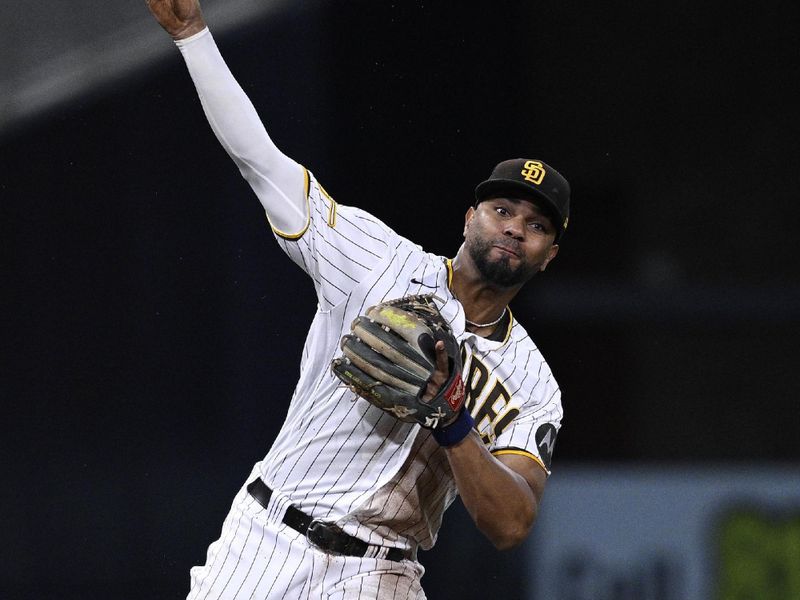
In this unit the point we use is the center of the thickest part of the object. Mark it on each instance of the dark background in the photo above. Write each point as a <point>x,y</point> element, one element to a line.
<point>152,329</point>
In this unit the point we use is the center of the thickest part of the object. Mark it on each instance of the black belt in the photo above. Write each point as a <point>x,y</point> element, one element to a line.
<point>324,536</point>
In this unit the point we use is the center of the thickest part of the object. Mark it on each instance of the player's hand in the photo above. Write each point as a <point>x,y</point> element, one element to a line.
<point>180,18</point>
<point>440,375</point>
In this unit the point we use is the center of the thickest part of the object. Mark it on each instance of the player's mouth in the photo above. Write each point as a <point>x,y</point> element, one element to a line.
<point>506,250</point>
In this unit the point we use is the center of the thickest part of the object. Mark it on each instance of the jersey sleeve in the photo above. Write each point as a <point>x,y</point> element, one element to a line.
<point>339,246</point>
<point>276,179</point>
<point>533,430</point>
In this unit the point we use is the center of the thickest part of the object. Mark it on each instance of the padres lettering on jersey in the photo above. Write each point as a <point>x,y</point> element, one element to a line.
<point>339,458</point>
<point>486,401</point>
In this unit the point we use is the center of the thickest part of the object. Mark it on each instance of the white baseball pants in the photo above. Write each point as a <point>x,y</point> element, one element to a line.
<point>258,558</point>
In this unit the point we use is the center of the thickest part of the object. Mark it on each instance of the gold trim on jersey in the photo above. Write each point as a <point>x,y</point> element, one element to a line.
<point>533,457</point>
<point>449,272</point>
<point>331,207</point>
<point>510,325</point>
<point>296,236</point>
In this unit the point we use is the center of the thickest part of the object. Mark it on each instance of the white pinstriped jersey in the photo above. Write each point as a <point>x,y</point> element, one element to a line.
<point>340,459</point>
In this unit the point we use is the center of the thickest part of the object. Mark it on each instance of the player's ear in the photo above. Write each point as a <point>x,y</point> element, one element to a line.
<point>551,254</point>
<point>468,217</point>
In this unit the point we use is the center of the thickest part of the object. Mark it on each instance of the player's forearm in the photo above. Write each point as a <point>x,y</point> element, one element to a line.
<point>277,180</point>
<point>498,499</point>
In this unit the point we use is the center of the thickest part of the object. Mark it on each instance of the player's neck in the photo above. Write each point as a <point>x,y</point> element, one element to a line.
<point>483,302</point>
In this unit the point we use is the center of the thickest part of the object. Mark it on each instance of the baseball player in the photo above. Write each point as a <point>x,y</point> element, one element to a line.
<point>348,493</point>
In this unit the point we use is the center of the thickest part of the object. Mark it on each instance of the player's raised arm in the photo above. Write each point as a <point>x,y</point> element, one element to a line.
<point>277,180</point>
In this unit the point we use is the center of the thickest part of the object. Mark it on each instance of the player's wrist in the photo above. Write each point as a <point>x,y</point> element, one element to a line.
<point>456,431</point>
<point>189,29</point>
<point>190,36</point>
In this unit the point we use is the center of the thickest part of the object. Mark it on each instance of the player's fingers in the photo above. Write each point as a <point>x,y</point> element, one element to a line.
<point>441,359</point>
<point>441,373</point>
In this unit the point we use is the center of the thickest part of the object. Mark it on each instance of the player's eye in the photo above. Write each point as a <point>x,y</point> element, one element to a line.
<point>536,226</point>
<point>502,210</point>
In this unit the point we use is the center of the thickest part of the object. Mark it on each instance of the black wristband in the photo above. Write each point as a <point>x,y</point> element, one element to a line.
<point>456,431</point>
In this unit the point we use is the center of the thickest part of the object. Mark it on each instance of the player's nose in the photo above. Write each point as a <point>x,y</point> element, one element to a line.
<point>514,228</point>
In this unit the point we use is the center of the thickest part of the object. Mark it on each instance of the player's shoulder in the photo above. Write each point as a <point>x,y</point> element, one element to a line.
<point>351,219</point>
<point>518,335</point>
<point>528,355</point>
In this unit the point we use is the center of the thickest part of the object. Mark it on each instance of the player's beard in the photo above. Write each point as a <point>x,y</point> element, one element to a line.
<point>498,272</point>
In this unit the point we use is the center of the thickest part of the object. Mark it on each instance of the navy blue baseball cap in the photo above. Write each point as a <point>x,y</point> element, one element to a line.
<point>530,179</point>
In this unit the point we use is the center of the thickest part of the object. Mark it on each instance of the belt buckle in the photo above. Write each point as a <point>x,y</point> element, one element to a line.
<point>323,536</point>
